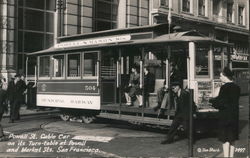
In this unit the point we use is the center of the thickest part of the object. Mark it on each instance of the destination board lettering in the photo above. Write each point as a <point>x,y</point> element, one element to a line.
<point>73,101</point>
<point>96,41</point>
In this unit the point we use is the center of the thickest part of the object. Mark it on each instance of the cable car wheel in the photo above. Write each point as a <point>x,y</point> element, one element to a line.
<point>88,119</point>
<point>65,117</point>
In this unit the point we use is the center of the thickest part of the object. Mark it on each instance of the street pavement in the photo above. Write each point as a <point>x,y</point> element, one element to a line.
<point>116,138</point>
<point>36,111</point>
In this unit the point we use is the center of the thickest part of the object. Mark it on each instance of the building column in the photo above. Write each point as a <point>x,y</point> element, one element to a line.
<point>4,45</point>
<point>121,20</point>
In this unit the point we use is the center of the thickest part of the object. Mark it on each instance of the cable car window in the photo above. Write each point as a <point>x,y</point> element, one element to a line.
<point>58,66</point>
<point>201,66</point>
<point>73,65</point>
<point>89,64</point>
<point>44,66</point>
<point>217,62</point>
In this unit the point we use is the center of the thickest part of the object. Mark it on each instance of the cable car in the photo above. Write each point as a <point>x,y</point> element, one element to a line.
<point>86,75</point>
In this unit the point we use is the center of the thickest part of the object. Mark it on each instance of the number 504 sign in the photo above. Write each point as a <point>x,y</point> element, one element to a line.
<point>90,88</point>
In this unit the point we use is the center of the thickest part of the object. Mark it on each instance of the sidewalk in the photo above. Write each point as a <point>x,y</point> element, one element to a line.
<point>28,112</point>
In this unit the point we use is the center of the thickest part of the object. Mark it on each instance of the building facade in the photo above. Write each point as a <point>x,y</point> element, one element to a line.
<point>32,25</point>
<point>227,20</point>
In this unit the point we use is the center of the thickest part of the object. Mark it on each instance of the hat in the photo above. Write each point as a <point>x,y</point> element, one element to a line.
<point>17,75</point>
<point>227,72</point>
<point>175,83</point>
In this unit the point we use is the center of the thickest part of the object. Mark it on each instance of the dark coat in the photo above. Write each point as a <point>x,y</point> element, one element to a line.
<point>15,91</point>
<point>2,99</point>
<point>23,85</point>
<point>183,105</point>
<point>175,76</point>
<point>149,83</point>
<point>228,104</point>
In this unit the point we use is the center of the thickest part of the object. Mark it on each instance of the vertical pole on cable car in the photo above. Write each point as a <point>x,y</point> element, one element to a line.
<point>168,78</point>
<point>26,74</point>
<point>119,81</point>
<point>191,75</point>
<point>36,76</point>
<point>188,72</point>
<point>26,71</point>
<point>36,72</point>
<point>229,61</point>
<point>142,79</point>
<point>98,74</point>
<point>190,145</point>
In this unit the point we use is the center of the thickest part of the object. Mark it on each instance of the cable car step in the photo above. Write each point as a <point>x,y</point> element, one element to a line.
<point>133,109</point>
<point>129,118</point>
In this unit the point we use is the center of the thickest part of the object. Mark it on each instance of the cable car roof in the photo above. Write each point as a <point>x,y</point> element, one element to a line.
<point>126,40</point>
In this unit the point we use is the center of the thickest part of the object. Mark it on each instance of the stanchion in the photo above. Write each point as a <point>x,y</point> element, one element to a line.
<point>190,138</point>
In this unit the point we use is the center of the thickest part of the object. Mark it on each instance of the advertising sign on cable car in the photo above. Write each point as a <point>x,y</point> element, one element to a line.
<point>240,54</point>
<point>72,101</point>
<point>94,41</point>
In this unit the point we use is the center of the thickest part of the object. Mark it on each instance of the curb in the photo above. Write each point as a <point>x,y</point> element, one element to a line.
<point>34,113</point>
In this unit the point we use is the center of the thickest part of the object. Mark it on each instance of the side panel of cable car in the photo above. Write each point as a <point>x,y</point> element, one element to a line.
<point>66,83</point>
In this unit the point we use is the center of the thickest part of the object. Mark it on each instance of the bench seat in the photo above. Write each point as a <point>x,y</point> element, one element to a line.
<point>153,96</point>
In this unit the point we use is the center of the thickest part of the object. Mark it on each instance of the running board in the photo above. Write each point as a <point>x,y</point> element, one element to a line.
<point>140,119</point>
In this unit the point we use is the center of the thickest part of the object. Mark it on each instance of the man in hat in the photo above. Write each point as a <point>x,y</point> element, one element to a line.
<point>2,110</point>
<point>15,92</point>
<point>163,94</point>
<point>181,100</point>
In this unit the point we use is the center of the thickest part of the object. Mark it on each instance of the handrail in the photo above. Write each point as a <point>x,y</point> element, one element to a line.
<point>98,73</point>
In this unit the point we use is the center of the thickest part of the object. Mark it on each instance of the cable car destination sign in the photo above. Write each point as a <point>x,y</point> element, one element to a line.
<point>94,41</point>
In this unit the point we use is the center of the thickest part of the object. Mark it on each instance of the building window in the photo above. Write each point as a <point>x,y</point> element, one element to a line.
<point>73,65</point>
<point>44,68</point>
<point>58,65</point>
<point>230,12</point>
<point>241,20</point>
<point>105,15</point>
<point>90,64</point>
<point>165,3</point>
<point>186,5</point>
<point>216,7</point>
<point>218,62</point>
<point>201,67</point>
<point>36,18</point>
<point>202,7</point>
<point>35,27</point>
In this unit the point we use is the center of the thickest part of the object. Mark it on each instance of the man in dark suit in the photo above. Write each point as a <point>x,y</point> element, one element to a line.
<point>24,87</point>
<point>163,94</point>
<point>182,100</point>
<point>2,109</point>
<point>15,91</point>
<point>149,82</point>
<point>149,86</point>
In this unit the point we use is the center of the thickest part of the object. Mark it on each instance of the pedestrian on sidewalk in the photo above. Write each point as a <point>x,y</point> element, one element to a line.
<point>181,100</point>
<point>227,102</point>
<point>4,87</point>
<point>15,92</point>
<point>2,107</point>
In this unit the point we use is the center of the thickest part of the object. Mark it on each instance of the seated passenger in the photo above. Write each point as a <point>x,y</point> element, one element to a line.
<point>163,94</point>
<point>133,86</point>
<point>149,85</point>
